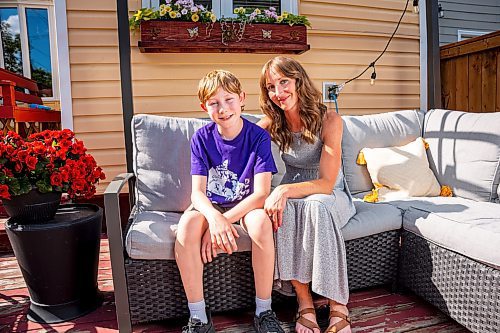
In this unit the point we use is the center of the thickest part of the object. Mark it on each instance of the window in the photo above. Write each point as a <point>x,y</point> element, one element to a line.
<point>466,34</point>
<point>27,42</point>
<point>224,8</point>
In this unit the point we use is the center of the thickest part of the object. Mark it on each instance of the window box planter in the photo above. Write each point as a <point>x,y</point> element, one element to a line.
<point>195,37</point>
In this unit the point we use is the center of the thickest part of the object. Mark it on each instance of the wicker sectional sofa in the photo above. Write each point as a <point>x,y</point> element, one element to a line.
<point>446,250</point>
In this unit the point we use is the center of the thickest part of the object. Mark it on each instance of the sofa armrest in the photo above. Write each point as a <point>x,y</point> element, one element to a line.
<point>112,205</point>
<point>116,248</point>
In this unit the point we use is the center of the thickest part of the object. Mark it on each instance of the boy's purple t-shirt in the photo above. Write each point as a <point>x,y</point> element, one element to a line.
<point>230,165</point>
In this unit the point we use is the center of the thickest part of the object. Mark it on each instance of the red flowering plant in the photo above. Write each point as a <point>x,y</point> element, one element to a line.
<point>50,161</point>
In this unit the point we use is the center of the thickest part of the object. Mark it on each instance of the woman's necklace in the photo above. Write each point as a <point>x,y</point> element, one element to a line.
<point>298,137</point>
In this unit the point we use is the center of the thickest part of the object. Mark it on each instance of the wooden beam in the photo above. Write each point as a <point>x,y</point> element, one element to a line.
<point>430,77</point>
<point>125,77</point>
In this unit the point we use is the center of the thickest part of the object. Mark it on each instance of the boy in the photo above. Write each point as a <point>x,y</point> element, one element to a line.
<point>231,168</point>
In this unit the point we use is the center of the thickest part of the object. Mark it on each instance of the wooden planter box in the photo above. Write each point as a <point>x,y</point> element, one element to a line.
<point>174,36</point>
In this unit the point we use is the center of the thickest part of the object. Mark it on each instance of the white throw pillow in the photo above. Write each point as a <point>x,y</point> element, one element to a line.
<point>400,172</point>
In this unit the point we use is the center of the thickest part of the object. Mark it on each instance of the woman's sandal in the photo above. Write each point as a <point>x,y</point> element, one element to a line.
<point>343,323</point>
<point>304,321</point>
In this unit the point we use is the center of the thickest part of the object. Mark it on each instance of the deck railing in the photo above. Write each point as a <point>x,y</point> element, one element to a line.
<point>470,74</point>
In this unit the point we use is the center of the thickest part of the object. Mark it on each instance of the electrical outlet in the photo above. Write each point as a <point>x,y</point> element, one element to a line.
<point>328,89</point>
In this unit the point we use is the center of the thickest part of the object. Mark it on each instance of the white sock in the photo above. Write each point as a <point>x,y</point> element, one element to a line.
<point>262,305</point>
<point>197,310</point>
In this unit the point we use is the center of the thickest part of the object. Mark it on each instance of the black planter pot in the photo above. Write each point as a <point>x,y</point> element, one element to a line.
<point>33,207</point>
<point>59,261</point>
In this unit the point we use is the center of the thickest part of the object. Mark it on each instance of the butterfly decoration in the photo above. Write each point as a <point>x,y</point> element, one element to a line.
<point>155,33</point>
<point>266,34</point>
<point>294,35</point>
<point>193,32</point>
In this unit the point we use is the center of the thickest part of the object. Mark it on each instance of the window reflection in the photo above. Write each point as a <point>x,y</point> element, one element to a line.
<point>39,48</point>
<point>205,3</point>
<point>261,4</point>
<point>11,41</point>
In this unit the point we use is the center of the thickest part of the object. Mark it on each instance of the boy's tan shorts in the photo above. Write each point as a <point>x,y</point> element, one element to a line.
<point>222,210</point>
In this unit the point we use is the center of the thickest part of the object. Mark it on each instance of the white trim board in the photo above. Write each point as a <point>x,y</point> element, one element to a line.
<point>63,64</point>
<point>466,34</point>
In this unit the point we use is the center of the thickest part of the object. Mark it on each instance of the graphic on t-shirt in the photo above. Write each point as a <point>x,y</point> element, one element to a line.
<point>223,182</point>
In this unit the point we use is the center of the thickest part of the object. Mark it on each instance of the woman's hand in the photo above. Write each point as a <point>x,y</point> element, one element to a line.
<point>275,205</point>
<point>208,250</point>
<point>223,234</point>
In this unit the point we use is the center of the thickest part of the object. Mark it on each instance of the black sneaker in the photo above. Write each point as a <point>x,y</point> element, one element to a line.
<point>196,326</point>
<point>267,322</point>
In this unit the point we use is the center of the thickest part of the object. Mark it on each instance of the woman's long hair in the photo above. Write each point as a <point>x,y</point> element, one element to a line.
<point>311,109</point>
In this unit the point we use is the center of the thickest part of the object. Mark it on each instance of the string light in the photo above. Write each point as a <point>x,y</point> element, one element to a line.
<point>372,64</point>
<point>415,6</point>
<point>374,76</point>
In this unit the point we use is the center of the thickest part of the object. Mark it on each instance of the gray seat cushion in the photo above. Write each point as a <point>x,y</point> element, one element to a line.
<point>465,226</point>
<point>464,151</point>
<point>371,219</point>
<point>375,131</point>
<point>152,236</point>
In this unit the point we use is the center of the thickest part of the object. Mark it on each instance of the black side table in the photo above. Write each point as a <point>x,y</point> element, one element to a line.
<point>59,261</point>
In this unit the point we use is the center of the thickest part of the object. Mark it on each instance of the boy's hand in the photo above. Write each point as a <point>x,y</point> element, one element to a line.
<point>208,250</point>
<point>223,233</point>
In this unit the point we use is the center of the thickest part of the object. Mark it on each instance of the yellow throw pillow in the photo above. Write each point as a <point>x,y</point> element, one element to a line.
<point>399,172</point>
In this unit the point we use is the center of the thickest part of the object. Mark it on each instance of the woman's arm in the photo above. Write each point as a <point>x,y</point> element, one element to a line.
<point>329,167</point>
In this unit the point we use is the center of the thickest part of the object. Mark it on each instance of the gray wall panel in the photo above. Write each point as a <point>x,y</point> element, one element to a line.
<point>476,15</point>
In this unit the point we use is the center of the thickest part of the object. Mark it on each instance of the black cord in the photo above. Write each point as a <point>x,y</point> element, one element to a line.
<point>385,49</point>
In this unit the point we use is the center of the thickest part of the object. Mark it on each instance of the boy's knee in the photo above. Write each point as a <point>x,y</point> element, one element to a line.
<point>191,226</point>
<point>257,222</point>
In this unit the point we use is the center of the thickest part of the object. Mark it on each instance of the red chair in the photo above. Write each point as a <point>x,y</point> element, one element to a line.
<point>15,114</point>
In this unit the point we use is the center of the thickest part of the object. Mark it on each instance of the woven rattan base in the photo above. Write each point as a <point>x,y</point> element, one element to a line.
<point>373,260</point>
<point>156,292</point>
<point>464,289</point>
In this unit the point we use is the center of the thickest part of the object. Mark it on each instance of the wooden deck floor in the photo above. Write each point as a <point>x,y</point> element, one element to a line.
<point>375,310</point>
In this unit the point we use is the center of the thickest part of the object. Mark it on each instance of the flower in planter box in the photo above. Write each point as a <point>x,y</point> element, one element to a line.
<point>50,161</point>
<point>187,11</point>
<point>269,15</point>
<point>180,10</point>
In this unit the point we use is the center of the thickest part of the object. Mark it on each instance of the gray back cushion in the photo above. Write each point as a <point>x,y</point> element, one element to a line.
<point>161,158</point>
<point>374,131</point>
<point>464,151</point>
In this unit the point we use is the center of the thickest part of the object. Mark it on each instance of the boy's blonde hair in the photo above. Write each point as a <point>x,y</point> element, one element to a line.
<point>216,79</point>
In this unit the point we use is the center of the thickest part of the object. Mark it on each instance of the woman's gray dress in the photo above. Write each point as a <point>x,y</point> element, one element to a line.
<point>309,244</point>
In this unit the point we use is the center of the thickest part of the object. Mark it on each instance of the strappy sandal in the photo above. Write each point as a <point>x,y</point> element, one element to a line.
<point>304,321</point>
<point>334,328</point>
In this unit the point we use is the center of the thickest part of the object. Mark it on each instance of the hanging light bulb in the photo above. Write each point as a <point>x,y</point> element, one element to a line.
<point>440,11</point>
<point>415,6</point>
<point>373,77</point>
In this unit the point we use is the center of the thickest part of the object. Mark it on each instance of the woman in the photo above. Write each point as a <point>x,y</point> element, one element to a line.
<point>313,202</point>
